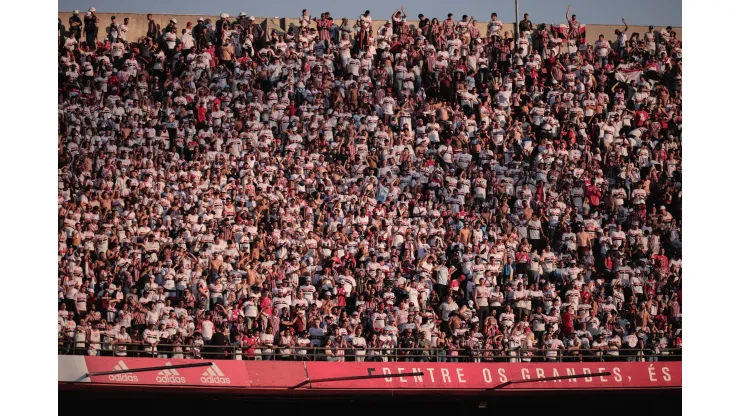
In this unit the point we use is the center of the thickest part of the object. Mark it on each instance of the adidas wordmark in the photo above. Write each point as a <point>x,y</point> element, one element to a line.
<point>122,377</point>
<point>170,376</point>
<point>214,375</point>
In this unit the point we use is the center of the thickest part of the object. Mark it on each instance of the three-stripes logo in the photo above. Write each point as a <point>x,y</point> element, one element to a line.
<point>122,377</point>
<point>170,376</point>
<point>214,375</point>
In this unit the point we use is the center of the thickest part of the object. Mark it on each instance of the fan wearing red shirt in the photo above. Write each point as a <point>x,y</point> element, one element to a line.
<point>593,194</point>
<point>455,284</point>
<point>585,295</point>
<point>568,320</point>
<point>292,109</point>
<point>522,259</point>
<point>461,67</point>
<point>641,116</point>
<point>248,342</point>
<point>569,135</point>
<point>200,114</point>
<point>660,319</point>
<point>661,261</point>
<point>114,83</point>
<point>651,284</point>
<point>540,193</point>
<point>649,291</point>
<point>265,303</point>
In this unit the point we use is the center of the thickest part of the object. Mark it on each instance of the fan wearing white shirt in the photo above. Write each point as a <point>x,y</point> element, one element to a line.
<point>122,338</point>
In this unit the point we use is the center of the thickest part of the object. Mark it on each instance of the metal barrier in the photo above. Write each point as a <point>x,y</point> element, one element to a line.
<point>287,353</point>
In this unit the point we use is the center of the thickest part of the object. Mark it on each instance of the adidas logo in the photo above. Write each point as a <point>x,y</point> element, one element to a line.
<point>170,376</point>
<point>122,377</point>
<point>214,375</point>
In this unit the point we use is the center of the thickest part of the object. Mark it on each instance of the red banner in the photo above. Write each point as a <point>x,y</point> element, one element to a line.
<point>454,376</point>
<point>564,29</point>
<point>626,74</point>
<point>484,376</point>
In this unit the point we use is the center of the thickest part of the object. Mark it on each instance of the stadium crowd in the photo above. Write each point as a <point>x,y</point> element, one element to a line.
<point>419,192</point>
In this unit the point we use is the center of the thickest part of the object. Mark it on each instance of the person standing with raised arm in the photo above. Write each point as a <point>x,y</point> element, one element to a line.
<point>398,17</point>
<point>621,42</point>
<point>574,32</point>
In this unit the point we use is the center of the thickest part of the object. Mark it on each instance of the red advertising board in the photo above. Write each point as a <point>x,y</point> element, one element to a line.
<point>282,375</point>
<point>484,376</point>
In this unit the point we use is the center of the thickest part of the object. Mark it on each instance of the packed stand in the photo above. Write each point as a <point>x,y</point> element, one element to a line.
<point>420,192</point>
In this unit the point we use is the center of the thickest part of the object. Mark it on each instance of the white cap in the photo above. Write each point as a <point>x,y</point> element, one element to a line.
<point>242,14</point>
<point>76,11</point>
<point>251,18</point>
<point>173,21</point>
<point>92,9</point>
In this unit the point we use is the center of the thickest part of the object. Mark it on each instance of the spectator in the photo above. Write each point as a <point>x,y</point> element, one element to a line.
<point>75,25</point>
<point>91,27</point>
<point>152,28</point>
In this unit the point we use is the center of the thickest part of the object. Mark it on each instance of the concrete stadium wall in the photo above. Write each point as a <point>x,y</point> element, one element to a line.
<point>138,24</point>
